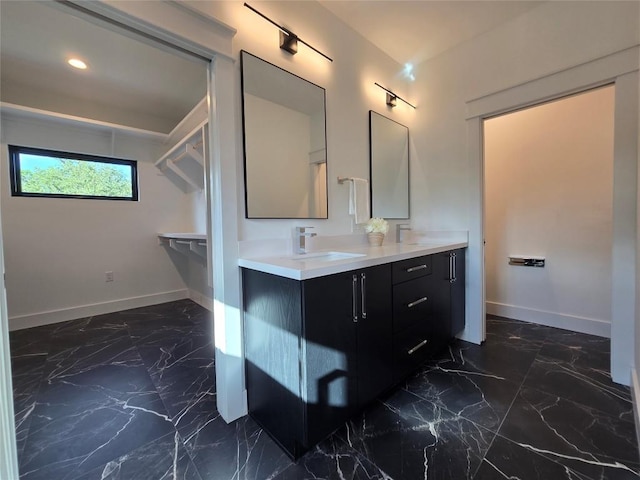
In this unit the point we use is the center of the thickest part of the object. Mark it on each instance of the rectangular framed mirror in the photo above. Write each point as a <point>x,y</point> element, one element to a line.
<point>389,167</point>
<point>285,147</point>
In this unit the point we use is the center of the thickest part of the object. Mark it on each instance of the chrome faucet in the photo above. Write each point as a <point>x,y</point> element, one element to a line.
<point>299,239</point>
<point>399,228</point>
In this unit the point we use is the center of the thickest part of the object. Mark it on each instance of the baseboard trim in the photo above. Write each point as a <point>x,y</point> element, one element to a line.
<point>201,300</point>
<point>635,400</point>
<point>56,316</point>
<point>574,323</point>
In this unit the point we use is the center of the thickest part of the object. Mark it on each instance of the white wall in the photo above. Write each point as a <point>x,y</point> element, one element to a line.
<point>548,192</point>
<point>58,250</point>
<point>549,39</point>
<point>350,94</point>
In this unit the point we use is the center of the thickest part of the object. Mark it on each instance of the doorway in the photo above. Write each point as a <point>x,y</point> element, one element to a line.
<point>619,68</point>
<point>548,177</point>
<point>110,135</point>
<point>124,105</point>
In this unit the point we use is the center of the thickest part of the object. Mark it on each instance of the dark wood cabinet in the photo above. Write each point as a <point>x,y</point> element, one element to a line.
<point>413,297</point>
<point>347,347</point>
<point>449,280</point>
<point>458,312</point>
<point>318,350</point>
<point>428,307</point>
<point>272,328</point>
<point>374,333</point>
<point>310,369</point>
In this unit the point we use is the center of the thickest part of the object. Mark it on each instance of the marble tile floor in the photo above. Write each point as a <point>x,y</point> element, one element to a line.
<point>132,396</point>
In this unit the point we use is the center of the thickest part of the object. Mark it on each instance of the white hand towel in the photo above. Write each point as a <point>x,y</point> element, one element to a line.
<point>359,200</point>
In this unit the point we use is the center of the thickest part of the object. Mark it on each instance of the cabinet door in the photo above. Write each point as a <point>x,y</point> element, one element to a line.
<point>329,352</point>
<point>441,305</point>
<point>272,325</point>
<point>449,276</point>
<point>458,293</point>
<point>375,333</point>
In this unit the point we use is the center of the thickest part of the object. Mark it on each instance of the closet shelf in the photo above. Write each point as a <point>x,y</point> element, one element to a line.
<point>185,160</point>
<point>185,242</point>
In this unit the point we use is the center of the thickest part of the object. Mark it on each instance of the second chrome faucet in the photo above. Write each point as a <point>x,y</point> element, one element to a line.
<point>399,228</point>
<point>299,239</point>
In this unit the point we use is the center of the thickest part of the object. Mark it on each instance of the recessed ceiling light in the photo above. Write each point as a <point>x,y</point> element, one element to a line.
<point>77,63</point>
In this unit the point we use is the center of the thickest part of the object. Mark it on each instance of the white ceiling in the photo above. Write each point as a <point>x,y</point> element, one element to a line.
<point>415,31</point>
<point>128,82</point>
<point>133,83</point>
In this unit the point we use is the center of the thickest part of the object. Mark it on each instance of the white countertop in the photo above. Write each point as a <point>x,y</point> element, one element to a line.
<point>301,267</point>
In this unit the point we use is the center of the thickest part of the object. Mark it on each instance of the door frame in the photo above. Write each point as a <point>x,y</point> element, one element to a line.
<point>8,450</point>
<point>621,69</point>
<point>584,324</point>
<point>189,29</point>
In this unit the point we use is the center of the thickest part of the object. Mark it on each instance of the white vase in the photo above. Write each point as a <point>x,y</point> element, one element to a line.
<point>375,238</point>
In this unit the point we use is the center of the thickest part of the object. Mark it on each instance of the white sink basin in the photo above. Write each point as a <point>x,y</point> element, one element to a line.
<point>326,256</point>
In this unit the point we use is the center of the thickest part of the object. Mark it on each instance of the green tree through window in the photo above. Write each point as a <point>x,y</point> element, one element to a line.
<point>46,173</point>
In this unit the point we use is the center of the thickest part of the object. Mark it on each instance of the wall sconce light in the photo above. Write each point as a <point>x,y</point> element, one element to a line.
<point>288,39</point>
<point>392,98</point>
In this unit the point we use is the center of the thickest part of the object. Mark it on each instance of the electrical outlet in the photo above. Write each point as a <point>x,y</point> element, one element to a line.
<point>108,276</point>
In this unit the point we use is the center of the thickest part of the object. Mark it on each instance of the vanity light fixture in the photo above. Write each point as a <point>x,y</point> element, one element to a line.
<point>392,97</point>
<point>288,39</point>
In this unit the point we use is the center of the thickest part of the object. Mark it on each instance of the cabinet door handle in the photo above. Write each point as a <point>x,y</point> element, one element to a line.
<point>419,267</point>
<point>363,294</point>
<point>417,302</point>
<point>452,267</point>
<point>354,297</point>
<point>411,351</point>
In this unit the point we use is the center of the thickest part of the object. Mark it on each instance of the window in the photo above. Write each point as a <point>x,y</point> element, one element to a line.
<point>37,172</point>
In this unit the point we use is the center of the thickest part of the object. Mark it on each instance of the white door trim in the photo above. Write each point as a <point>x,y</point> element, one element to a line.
<point>8,452</point>
<point>204,36</point>
<point>620,68</point>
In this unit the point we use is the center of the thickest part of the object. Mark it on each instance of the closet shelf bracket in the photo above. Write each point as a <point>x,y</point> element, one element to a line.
<point>178,171</point>
<point>185,243</point>
<point>185,160</point>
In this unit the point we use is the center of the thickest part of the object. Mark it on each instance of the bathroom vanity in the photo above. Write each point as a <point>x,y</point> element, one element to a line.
<point>326,333</point>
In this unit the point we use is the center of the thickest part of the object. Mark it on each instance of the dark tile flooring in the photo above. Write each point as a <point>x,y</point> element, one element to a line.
<point>131,395</point>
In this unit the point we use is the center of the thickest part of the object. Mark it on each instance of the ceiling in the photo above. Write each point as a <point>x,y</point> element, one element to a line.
<point>129,81</point>
<point>415,31</point>
<point>132,82</point>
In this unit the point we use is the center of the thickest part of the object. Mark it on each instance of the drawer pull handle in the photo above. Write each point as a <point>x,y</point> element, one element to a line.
<point>417,347</point>
<point>454,267</point>
<point>363,294</point>
<point>419,267</point>
<point>417,302</point>
<point>354,295</point>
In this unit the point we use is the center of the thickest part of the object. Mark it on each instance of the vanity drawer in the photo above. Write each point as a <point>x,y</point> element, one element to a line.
<point>412,302</point>
<point>411,268</point>
<point>410,349</point>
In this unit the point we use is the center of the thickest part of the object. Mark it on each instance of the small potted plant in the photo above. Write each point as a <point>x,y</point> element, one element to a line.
<point>376,228</point>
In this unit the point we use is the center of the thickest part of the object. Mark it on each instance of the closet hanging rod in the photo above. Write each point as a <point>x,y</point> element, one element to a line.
<point>185,153</point>
<point>197,130</point>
